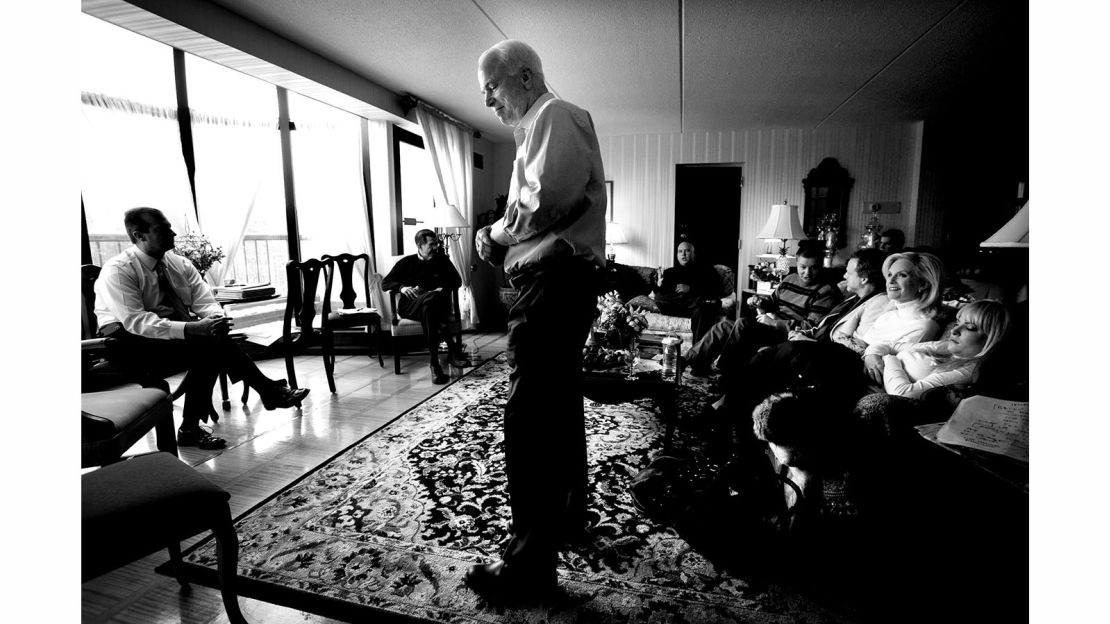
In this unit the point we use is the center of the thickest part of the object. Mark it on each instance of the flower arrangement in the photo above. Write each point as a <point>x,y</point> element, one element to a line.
<point>619,322</point>
<point>199,250</point>
<point>765,272</point>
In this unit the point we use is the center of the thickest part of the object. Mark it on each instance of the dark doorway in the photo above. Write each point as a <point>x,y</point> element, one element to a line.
<point>707,210</point>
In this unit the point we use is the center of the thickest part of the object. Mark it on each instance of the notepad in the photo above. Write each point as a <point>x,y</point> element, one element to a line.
<point>990,425</point>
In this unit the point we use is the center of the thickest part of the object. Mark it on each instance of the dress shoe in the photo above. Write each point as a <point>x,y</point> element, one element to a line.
<point>500,584</point>
<point>438,376</point>
<point>282,396</point>
<point>199,438</point>
<point>458,360</point>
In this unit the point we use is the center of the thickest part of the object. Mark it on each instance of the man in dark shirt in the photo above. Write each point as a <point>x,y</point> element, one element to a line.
<point>426,281</point>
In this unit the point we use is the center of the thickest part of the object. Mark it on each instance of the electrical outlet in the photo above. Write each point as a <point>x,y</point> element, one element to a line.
<point>890,207</point>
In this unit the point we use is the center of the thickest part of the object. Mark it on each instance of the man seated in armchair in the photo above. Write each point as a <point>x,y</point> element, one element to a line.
<point>425,281</point>
<point>160,313</point>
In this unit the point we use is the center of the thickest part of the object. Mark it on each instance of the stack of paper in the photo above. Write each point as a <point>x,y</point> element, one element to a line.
<point>243,292</point>
<point>990,425</point>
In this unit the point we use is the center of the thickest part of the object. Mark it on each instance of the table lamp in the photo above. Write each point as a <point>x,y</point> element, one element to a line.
<point>614,235</point>
<point>447,223</point>
<point>782,225</point>
<point>1015,234</point>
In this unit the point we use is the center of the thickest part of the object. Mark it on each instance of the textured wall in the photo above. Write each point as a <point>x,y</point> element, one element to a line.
<point>883,159</point>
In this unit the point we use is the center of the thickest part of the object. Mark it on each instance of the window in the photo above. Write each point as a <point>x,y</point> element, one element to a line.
<point>132,155</point>
<point>327,179</point>
<point>240,190</point>
<point>130,145</point>
<point>415,180</point>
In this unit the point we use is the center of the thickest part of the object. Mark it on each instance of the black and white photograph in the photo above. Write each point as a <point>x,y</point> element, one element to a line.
<point>557,311</point>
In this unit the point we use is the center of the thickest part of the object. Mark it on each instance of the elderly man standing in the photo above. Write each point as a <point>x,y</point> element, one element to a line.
<point>550,241</point>
<point>160,313</point>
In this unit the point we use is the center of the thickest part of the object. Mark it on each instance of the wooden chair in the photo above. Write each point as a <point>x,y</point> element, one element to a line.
<point>402,327</point>
<point>300,329</point>
<point>112,421</point>
<point>350,316</point>
<point>134,508</point>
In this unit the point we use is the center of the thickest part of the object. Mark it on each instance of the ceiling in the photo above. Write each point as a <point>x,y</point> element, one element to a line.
<point>660,66</point>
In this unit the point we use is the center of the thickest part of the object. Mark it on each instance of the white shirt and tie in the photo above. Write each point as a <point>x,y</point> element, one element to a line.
<point>128,292</point>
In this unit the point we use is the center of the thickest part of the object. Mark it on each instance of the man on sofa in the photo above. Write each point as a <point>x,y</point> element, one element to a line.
<point>800,304</point>
<point>425,281</point>
<point>160,313</point>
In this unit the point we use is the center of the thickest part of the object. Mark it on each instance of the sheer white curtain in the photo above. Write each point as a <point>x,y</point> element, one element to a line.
<point>328,182</point>
<point>451,150</point>
<point>238,180</point>
<point>131,156</point>
<point>237,147</point>
<point>129,144</point>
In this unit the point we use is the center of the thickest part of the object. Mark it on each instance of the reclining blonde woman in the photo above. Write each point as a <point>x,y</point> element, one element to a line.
<point>910,370</point>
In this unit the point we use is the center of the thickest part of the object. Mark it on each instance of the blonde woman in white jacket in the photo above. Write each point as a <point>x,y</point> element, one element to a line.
<point>910,370</point>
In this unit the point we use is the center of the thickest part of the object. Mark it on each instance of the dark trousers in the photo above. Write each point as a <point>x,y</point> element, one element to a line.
<point>432,309</point>
<point>734,343</point>
<point>703,313</point>
<point>545,429</point>
<point>149,361</point>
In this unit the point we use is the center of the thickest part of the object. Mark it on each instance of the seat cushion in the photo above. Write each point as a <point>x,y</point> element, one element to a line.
<point>106,413</point>
<point>407,327</point>
<point>354,318</point>
<point>136,507</point>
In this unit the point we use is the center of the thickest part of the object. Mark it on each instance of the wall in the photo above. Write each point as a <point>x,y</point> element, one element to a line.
<point>883,159</point>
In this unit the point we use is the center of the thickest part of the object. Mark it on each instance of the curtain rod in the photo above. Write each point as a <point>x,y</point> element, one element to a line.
<point>409,102</point>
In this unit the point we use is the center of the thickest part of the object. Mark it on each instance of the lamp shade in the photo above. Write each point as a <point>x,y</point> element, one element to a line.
<point>783,224</point>
<point>446,216</point>
<point>614,234</point>
<point>1014,234</point>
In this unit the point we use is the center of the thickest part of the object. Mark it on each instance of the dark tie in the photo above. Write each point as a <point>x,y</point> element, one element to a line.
<point>169,295</point>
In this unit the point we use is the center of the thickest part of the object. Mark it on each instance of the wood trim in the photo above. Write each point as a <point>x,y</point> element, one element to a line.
<point>185,125</point>
<point>364,145</point>
<point>395,217</point>
<point>287,175</point>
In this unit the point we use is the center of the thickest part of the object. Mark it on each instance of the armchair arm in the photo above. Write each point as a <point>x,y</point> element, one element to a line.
<point>94,344</point>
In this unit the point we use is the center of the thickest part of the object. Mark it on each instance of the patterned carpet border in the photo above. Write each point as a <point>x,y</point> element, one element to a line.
<point>387,527</point>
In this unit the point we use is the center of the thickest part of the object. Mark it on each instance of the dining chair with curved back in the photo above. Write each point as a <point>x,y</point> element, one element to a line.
<point>300,329</point>
<point>350,316</point>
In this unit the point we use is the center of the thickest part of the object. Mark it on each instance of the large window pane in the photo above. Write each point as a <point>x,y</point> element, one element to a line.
<point>240,192</point>
<point>328,182</point>
<point>417,187</point>
<point>130,147</point>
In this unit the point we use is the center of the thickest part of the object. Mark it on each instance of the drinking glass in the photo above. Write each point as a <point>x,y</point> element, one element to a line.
<point>631,357</point>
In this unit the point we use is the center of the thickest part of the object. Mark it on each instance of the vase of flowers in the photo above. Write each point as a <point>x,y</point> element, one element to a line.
<point>199,250</point>
<point>618,322</point>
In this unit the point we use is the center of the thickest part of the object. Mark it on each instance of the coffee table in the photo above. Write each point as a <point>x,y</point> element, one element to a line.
<point>610,386</point>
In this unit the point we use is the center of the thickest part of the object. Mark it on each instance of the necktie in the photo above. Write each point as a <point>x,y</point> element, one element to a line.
<point>170,298</point>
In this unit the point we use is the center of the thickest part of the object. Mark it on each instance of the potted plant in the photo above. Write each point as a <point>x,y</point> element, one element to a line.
<point>199,250</point>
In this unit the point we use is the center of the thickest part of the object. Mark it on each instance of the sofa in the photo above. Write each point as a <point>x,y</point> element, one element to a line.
<point>636,286</point>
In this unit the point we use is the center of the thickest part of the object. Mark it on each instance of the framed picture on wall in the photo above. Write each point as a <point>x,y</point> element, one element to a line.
<point>609,198</point>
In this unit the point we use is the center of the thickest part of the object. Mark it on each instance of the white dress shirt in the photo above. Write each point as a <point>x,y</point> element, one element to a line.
<point>859,321</point>
<point>557,189</point>
<point>127,292</point>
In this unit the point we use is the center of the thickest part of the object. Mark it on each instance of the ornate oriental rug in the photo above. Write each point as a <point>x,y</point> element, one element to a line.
<point>386,530</point>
